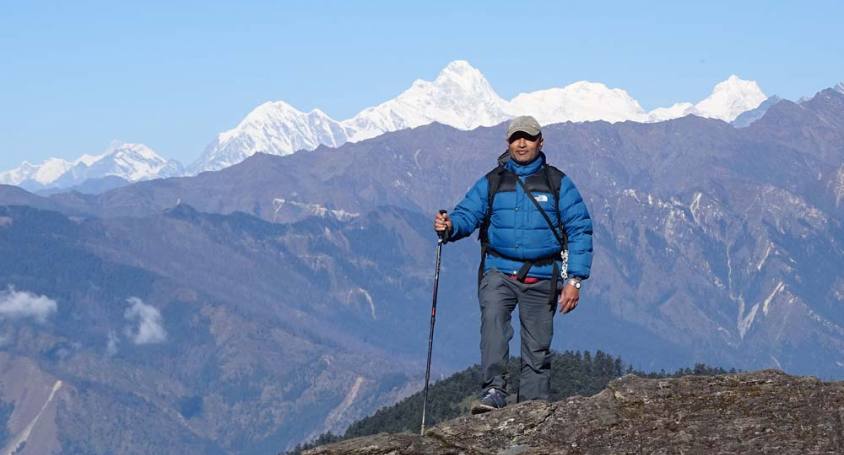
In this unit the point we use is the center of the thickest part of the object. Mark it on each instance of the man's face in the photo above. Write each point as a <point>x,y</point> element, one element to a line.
<point>523,147</point>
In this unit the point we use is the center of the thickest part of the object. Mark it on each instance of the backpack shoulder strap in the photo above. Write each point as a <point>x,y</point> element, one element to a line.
<point>493,180</point>
<point>554,179</point>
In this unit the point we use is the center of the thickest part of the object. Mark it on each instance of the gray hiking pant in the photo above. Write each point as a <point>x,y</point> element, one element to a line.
<point>498,296</point>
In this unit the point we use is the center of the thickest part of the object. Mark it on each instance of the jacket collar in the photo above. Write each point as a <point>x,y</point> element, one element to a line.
<point>522,169</point>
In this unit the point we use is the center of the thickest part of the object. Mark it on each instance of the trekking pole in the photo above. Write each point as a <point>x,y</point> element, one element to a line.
<point>440,240</point>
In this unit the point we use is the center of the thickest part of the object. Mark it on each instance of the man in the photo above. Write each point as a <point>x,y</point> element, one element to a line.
<point>521,259</point>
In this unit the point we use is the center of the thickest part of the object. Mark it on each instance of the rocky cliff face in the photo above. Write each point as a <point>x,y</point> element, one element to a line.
<point>760,412</point>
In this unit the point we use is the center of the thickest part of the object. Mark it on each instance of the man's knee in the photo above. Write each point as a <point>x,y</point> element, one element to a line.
<point>537,359</point>
<point>494,315</point>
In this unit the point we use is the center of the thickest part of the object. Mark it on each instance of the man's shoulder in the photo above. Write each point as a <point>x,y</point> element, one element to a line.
<point>554,170</point>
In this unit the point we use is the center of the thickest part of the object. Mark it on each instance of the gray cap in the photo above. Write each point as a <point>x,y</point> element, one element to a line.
<point>524,123</point>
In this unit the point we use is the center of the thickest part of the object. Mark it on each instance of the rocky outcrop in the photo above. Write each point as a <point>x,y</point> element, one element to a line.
<point>760,412</point>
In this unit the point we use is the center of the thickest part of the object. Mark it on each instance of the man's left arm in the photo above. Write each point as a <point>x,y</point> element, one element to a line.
<point>578,226</point>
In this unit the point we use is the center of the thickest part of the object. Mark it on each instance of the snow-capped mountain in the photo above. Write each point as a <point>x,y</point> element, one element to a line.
<point>273,127</point>
<point>676,110</point>
<point>37,174</point>
<point>132,162</point>
<point>461,97</point>
<point>578,102</point>
<point>839,87</point>
<point>730,98</point>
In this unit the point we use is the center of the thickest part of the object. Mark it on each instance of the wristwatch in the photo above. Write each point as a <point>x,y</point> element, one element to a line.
<point>574,281</point>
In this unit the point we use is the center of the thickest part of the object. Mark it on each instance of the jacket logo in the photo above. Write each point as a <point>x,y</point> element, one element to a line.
<point>541,198</point>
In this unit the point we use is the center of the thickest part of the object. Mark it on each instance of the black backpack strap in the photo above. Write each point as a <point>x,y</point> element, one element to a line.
<point>544,214</point>
<point>493,179</point>
<point>554,180</point>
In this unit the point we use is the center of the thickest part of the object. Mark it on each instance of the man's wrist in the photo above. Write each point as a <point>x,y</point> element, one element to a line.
<point>574,281</point>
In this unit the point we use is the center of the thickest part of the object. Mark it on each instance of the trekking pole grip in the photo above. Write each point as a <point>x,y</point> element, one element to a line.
<point>442,234</point>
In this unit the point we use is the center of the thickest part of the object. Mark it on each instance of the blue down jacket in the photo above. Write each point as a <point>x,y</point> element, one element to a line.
<point>518,230</point>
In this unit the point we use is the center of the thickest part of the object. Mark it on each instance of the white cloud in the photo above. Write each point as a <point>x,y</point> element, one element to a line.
<point>149,328</point>
<point>22,304</point>
<point>112,343</point>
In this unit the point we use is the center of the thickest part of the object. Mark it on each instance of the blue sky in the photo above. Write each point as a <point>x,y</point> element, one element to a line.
<point>76,75</point>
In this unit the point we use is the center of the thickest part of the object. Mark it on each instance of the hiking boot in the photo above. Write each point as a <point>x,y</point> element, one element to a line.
<point>491,400</point>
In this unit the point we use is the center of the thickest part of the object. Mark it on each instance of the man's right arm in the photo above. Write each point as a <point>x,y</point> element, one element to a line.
<point>469,213</point>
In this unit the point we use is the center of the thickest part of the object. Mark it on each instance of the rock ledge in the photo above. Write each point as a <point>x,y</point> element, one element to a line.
<point>760,412</point>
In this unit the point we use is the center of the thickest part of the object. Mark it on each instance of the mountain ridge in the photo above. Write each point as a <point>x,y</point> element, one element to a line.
<point>461,97</point>
<point>130,162</point>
